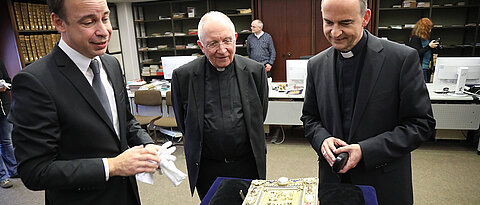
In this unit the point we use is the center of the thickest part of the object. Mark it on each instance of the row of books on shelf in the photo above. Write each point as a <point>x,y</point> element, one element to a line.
<point>152,70</point>
<point>425,4</point>
<point>410,26</point>
<point>178,47</point>
<point>34,47</point>
<point>166,47</point>
<point>32,17</point>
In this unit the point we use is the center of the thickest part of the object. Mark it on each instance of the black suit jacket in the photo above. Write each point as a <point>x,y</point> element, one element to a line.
<point>188,83</point>
<point>61,132</point>
<point>392,116</point>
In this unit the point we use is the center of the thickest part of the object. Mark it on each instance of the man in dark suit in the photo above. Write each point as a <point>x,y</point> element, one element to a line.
<point>220,102</point>
<point>74,135</point>
<point>365,96</point>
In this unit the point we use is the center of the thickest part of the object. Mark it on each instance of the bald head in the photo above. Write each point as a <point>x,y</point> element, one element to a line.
<point>362,5</point>
<point>256,26</point>
<point>213,19</point>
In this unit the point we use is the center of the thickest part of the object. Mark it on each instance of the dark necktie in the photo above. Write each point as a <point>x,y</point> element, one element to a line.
<point>99,89</point>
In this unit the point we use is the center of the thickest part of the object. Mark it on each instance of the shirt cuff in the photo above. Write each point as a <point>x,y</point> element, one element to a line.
<point>105,166</point>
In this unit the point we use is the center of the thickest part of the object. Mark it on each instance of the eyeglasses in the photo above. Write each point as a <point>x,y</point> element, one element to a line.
<point>215,44</point>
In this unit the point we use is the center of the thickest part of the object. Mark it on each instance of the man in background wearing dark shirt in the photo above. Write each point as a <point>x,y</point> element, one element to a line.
<point>220,102</point>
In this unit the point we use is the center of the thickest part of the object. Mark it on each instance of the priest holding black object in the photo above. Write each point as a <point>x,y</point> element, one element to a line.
<point>365,96</point>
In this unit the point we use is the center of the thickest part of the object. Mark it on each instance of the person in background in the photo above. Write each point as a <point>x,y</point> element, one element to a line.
<point>261,49</point>
<point>73,131</point>
<point>425,47</point>
<point>8,164</point>
<point>260,46</point>
<point>220,102</point>
<point>365,96</point>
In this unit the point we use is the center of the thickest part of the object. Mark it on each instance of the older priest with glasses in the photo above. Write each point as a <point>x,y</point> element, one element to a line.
<point>220,102</point>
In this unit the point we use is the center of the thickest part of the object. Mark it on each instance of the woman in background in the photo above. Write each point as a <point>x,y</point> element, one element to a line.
<point>420,41</point>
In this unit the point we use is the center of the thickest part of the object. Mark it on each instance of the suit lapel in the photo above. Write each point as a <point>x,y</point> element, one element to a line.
<point>370,72</point>
<point>243,80</point>
<point>332,92</point>
<point>198,87</point>
<point>68,68</point>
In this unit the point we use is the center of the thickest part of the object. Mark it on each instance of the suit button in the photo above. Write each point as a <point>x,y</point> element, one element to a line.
<point>196,164</point>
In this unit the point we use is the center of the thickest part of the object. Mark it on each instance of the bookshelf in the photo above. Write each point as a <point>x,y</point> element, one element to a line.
<point>167,28</point>
<point>114,46</point>
<point>36,34</point>
<point>456,23</point>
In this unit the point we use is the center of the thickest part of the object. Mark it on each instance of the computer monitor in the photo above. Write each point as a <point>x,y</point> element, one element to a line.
<point>447,72</point>
<point>296,73</point>
<point>170,63</point>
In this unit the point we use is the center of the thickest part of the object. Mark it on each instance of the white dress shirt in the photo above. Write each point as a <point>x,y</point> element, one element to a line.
<point>83,63</point>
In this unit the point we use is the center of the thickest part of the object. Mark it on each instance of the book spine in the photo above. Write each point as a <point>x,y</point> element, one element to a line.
<point>34,47</point>
<point>25,19</point>
<point>31,17</point>
<point>29,48</point>
<point>23,47</point>
<point>40,46</point>
<point>41,16</point>
<point>48,19</point>
<point>47,44</point>
<point>18,15</point>
<point>35,17</point>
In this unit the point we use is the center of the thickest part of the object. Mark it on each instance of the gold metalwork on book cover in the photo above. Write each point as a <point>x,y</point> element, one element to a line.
<point>284,191</point>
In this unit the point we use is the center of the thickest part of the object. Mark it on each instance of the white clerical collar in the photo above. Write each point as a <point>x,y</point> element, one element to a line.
<point>220,69</point>
<point>348,54</point>
<point>259,35</point>
<point>81,61</point>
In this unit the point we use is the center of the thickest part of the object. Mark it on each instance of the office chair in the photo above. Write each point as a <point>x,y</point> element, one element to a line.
<point>166,121</point>
<point>147,98</point>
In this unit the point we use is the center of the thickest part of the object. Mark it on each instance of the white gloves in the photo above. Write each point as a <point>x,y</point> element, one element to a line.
<point>167,167</point>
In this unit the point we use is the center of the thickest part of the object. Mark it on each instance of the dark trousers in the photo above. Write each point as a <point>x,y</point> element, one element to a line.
<point>427,73</point>
<point>210,169</point>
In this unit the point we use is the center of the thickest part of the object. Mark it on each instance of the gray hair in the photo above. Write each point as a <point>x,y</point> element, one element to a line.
<point>363,7</point>
<point>213,15</point>
<point>259,23</point>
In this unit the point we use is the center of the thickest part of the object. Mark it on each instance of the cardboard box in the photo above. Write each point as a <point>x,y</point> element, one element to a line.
<point>423,4</point>
<point>409,4</point>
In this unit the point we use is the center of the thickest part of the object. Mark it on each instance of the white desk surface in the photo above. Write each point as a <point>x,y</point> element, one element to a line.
<point>273,94</point>
<point>447,96</point>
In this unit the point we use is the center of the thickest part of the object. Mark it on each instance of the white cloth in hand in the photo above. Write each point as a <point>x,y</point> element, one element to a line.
<point>167,166</point>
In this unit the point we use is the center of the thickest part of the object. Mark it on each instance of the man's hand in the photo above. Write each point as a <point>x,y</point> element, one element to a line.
<point>3,89</point>
<point>152,147</point>
<point>268,67</point>
<point>329,147</point>
<point>133,161</point>
<point>355,153</point>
